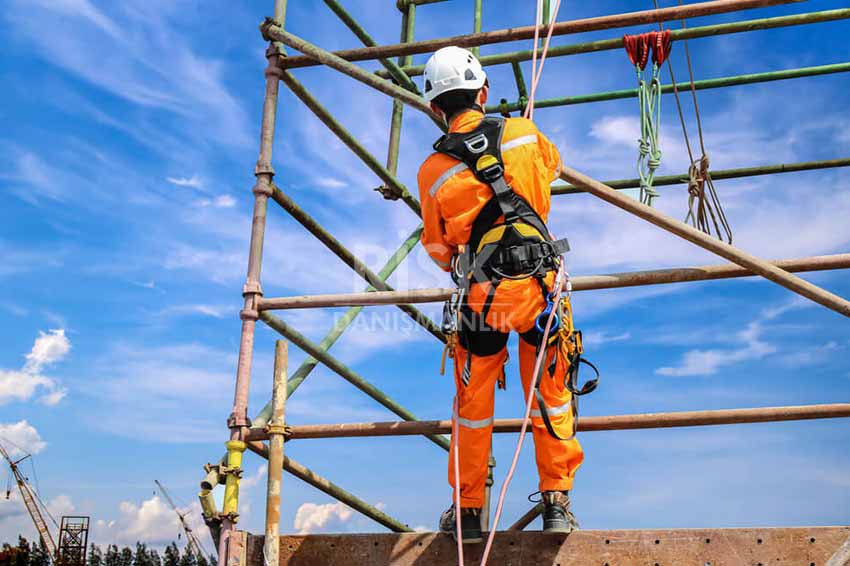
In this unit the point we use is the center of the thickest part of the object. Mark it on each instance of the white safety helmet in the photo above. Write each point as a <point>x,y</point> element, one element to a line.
<point>452,68</point>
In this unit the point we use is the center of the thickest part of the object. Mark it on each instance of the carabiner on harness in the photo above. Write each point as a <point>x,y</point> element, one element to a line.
<point>540,321</point>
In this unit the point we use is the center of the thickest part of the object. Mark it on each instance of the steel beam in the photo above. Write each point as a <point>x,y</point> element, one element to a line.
<point>585,424</point>
<point>720,82</point>
<point>714,547</point>
<point>684,231</point>
<point>580,283</point>
<point>526,32</point>
<point>328,487</point>
<point>398,189</point>
<point>343,371</point>
<point>677,35</point>
<point>718,174</point>
<point>375,280</point>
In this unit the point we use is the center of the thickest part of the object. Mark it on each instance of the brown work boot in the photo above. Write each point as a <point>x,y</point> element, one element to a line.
<point>557,517</point>
<point>470,524</point>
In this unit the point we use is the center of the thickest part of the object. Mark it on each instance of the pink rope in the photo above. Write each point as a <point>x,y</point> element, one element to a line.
<point>455,414</point>
<point>537,71</point>
<point>559,287</point>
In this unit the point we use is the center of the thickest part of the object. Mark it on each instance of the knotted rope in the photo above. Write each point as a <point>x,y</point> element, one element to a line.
<point>638,48</point>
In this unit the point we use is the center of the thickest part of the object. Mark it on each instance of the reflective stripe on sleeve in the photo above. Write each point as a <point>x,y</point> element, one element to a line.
<point>522,140</point>
<point>444,264</point>
<point>454,170</point>
<point>450,172</point>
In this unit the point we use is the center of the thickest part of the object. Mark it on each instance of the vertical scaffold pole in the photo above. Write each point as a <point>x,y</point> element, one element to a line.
<point>252,291</point>
<point>408,18</point>
<point>476,24</point>
<point>276,429</point>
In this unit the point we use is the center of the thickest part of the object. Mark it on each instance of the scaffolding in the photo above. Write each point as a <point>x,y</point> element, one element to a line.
<point>266,434</point>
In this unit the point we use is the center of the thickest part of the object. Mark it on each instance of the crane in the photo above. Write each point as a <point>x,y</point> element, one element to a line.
<point>192,541</point>
<point>31,501</point>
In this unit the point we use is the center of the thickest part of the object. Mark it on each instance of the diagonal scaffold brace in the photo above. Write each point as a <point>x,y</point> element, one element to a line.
<point>727,251</point>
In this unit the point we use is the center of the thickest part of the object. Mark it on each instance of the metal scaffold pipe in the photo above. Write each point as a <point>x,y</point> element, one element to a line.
<point>717,174</point>
<point>276,429</point>
<point>334,245</point>
<point>733,254</point>
<point>579,283</point>
<point>399,190</point>
<point>328,487</point>
<point>341,325</point>
<point>527,32</point>
<point>720,82</point>
<point>391,66</point>
<point>586,424</point>
<point>345,372</point>
<point>617,42</point>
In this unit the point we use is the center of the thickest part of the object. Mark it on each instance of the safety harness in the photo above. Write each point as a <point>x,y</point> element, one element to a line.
<point>519,247</point>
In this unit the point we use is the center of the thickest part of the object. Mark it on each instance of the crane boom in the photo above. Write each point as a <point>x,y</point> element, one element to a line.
<point>191,540</point>
<point>30,498</point>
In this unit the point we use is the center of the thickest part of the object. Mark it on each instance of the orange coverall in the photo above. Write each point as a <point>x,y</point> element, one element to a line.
<point>451,199</point>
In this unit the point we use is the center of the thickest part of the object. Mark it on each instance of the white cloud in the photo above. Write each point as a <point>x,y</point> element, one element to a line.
<point>753,347</point>
<point>21,385</point>
<point>21,437</point>
<point>47,350</point>
<point>312,517</point>
<point>225,201</point>
<point>602,337</point>
<point>194,181</point>
<point>152,522</point>
<point>329,182</point>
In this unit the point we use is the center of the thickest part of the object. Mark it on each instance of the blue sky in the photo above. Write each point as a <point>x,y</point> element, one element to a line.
<point>127,150</point>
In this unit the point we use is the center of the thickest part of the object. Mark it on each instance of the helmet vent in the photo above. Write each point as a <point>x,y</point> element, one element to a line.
<point>428,86</point>
<point>469,75</point>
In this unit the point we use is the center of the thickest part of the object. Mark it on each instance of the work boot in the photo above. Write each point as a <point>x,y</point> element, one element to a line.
<point>557,517</point>
<point>470,524</point>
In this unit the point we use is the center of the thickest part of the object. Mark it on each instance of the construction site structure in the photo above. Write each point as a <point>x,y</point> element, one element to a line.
<point>73,540</point>
<point>73,530</point>
<point>266,433</point>
<point>192,541</point>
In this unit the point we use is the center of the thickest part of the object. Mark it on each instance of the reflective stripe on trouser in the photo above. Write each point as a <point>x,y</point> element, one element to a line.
<point>557,460</point>
<point>475,423</point>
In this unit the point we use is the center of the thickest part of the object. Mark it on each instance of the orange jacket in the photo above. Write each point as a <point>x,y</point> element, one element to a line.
<point>452,197</point>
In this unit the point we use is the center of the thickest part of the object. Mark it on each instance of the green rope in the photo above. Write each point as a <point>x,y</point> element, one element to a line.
<point>649,148</point>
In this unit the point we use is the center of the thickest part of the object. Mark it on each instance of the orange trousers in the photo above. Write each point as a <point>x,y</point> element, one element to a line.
<point>515,307</point>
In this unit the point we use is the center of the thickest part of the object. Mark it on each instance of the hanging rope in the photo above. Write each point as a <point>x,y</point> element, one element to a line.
<point>638,48</point>
<point>705,212</point>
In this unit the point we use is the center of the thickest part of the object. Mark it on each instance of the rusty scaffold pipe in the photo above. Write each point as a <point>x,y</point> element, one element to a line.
<point>718,174</point>
<point>616,43</point>
<point>585,424</point>
<point>703,240</point>
<point>276,429</point>
<point>580,283</point>
<point>329,488</point>
<point>525,32</point>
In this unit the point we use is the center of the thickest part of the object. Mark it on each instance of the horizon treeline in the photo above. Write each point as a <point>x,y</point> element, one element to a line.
<point>35,554</point>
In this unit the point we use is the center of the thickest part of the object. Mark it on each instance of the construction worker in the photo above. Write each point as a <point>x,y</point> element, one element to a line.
<point>487,173</point>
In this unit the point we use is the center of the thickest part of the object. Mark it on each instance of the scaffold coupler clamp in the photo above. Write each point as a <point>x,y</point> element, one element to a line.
<point>272,429</point>
<point>389,193</point>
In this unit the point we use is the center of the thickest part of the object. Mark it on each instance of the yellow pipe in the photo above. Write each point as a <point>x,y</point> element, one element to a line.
<point>235,448</point>
<point>208,504</point>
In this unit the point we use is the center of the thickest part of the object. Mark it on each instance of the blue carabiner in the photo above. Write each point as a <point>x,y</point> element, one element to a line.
<point>540,322</point>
